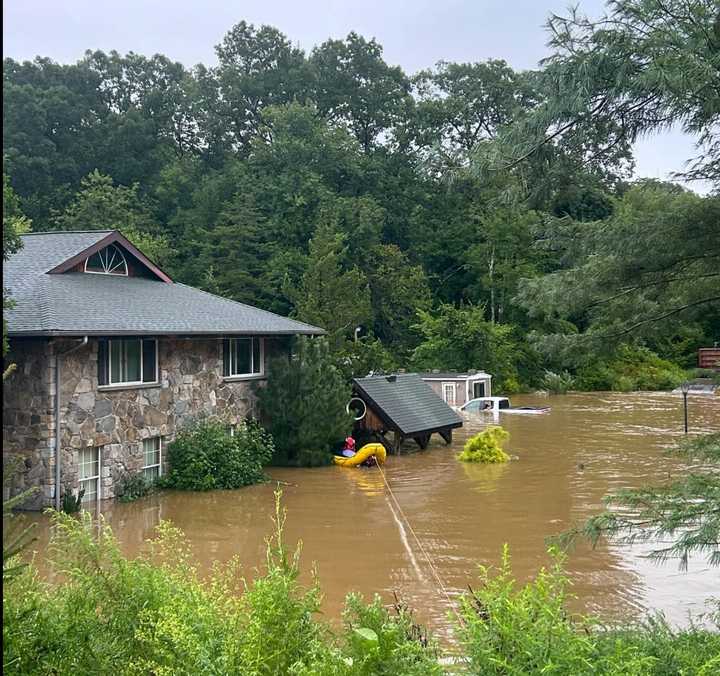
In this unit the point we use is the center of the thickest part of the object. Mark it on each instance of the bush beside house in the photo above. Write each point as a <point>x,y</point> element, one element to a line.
<point>205,456</point>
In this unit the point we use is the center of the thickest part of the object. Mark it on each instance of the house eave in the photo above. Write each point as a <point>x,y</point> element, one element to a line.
<point>190,334</point>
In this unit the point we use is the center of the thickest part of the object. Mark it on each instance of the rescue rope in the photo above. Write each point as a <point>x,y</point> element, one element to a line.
<point>416,538</point>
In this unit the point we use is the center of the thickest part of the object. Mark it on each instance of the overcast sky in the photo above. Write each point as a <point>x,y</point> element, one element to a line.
<point>415,34</point>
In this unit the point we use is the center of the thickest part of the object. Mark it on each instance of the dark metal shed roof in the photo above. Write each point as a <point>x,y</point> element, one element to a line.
<point>75,303</point>
<point>407,403</point>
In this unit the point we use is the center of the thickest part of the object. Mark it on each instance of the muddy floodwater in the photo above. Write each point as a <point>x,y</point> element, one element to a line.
<point>567,459</point>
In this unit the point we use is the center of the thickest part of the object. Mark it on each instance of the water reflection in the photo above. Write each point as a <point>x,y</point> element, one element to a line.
<point>568,459</point>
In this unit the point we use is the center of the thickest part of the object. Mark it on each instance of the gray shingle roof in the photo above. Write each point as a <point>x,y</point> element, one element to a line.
<point>408,402</point>
<point>75,303</point>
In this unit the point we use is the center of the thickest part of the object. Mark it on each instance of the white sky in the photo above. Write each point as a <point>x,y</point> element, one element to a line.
<point>415,34</point>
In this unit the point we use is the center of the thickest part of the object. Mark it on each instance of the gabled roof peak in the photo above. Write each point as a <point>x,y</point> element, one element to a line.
<point>106,238</point>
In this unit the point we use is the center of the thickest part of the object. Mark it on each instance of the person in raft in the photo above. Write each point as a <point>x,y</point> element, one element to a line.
<point>349,450</point>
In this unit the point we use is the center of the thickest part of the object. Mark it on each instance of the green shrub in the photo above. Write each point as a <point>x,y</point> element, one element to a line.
<point>154,614</point>
<point>131,487</point>
<point>69,502</point>
<point>486,446</point>
<point>631,368</point>
<point>505,628</point>
<point>670,651</point>
<point>204,456</point>
<point>558,383</point>
<point>377,642</point>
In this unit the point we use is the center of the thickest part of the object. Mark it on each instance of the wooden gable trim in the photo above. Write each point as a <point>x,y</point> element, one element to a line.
<point>377,410</point>
<point>112,238</point>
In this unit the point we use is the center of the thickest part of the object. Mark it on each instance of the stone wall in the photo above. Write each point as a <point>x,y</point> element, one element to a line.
<point>29,421</point>
<point>115,419</point>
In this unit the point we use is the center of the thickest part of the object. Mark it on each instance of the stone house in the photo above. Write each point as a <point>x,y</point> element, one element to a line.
<point>113,357</point>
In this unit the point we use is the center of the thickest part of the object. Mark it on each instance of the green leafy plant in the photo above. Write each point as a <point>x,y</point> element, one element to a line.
<point>381,641</point>
<point>131,487</point>
<point>16,538</point>
<point>205,456</point>
<point>558,383</point>
<point>631,368</point>
<point>486,446</point>
<point>71,503</point>
<point>509,628</point>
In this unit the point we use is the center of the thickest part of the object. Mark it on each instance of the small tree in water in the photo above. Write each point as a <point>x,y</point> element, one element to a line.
<point>304,404</point>
<point>486,446</point>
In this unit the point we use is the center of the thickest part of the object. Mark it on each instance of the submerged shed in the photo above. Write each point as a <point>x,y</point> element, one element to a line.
<point>404,405</point>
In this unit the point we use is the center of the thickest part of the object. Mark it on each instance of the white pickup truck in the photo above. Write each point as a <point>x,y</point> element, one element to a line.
<point>500,405</point>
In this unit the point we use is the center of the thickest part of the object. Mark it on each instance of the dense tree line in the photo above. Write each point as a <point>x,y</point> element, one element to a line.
<point>467,216</point>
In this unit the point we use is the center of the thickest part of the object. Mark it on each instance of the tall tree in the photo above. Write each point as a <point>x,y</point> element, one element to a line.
<point>463,104</point>
<point>642,67</point>
<point>258,67</point>
<point>330,294</point>
<point>101,205</point>
<point>357,88</point>
<point>646,272</point>
<point>15,223</point>
<point>460,338</point>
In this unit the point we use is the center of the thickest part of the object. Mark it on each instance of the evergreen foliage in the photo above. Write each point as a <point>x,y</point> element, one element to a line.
<point>304,404</point>
<point>328,296</point>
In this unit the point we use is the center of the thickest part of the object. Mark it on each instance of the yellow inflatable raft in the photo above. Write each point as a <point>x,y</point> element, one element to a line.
<point>378,450</point>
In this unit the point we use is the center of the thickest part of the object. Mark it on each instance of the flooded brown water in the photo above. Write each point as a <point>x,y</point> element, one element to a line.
<point>462,514</point>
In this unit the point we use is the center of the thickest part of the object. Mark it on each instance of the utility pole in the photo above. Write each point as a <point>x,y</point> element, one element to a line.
<point>685,388</point>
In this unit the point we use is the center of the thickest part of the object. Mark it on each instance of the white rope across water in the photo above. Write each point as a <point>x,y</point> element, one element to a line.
<point>417,540</point>
<point>406,543</point>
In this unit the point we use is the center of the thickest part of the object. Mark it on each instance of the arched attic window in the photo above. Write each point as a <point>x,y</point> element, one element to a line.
<point>107,261</point>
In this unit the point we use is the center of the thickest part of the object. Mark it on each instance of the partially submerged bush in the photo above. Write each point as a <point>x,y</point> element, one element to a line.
<point>486,446</point>
<point>631,368</point>
<point>558,383</point>
<point>131,487</point>
<point>69,502</point>
<point>205,456</point>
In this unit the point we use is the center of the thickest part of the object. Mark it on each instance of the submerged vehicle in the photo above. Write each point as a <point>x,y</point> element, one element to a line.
<point>500,405</point>
<point>367,451</point>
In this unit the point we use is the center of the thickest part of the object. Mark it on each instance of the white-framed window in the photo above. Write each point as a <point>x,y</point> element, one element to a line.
<point>152,458</point>
<point>127,361</point>
<point>243,356</point>
<point>232,429</point>
<point>107,261</point>
<point>89,472</point>
<point>449,393</point>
